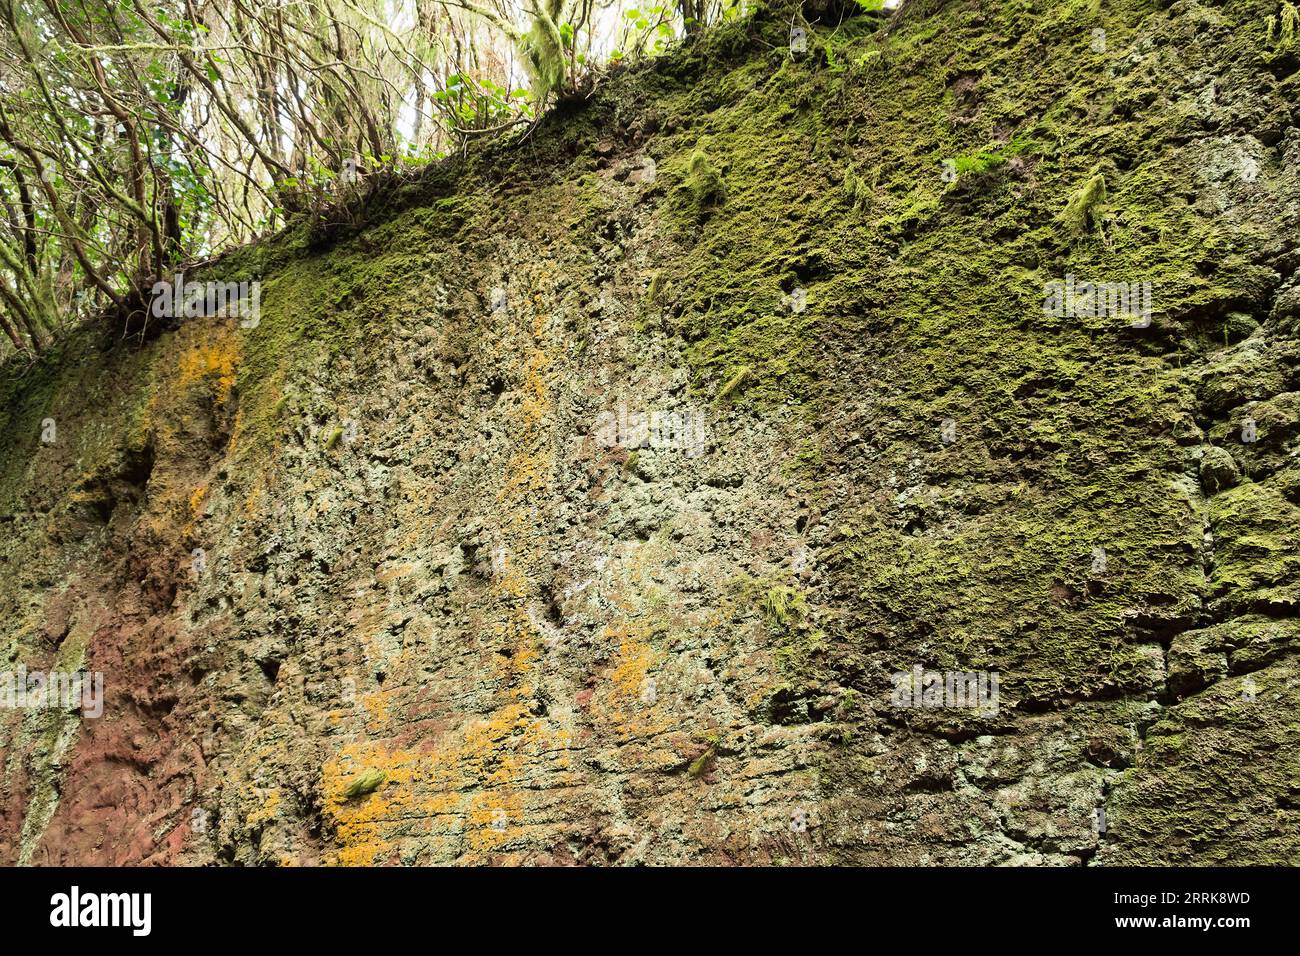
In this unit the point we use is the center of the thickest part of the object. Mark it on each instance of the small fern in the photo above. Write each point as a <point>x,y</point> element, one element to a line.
<point>701,763</point>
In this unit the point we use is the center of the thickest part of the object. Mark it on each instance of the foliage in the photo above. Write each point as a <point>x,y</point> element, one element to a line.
<point>137,138</point>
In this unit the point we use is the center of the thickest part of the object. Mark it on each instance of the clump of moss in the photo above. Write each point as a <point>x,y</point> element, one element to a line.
<point>368,782</point>
<point>543,50</point>
<point>703,180</point>
<point>1081,213</point>
<point>700,765</point>
<point>733,384</point>
<point>782,606</point>
<point>978,163</point>
<point>857,190</point>
<point>1282,28</point>
<point>656,290</point>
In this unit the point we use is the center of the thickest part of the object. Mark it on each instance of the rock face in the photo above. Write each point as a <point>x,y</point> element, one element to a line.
<point>593,500</point>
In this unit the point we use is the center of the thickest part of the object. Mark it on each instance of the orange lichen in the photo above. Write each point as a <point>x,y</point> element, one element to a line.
<point>212,361</point>
<point>470,792</point>
<point>628,699</point>
<point>253,498</point>
<point>459,787</point>
<point>266,811</point>
<point>376,705</point>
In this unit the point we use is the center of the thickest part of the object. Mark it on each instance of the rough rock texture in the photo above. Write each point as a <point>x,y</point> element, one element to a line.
<point>440,616</point>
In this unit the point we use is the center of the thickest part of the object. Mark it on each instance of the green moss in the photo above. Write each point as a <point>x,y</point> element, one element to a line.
<point>1257,549</point>
<point>924,303</point>
<point>98,401</point>
<point>701,763</point>
<point>856,190</point>
<point>655,291</point>
<point>543,51</point>
<point>733,384</point>
<point>1082,214</point>
<point>783,606</point>
<point>1167,809</point>
<point>367,782</point>
<point>703,181</point>
<point>1282,29</point>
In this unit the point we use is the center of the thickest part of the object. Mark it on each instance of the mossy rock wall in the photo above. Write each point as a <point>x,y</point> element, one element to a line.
<point>385,535</point>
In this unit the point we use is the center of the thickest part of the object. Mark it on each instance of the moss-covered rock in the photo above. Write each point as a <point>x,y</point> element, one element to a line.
<point>540,471</point>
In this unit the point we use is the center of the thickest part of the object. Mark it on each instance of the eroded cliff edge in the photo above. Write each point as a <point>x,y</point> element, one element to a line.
<point>421,560</point>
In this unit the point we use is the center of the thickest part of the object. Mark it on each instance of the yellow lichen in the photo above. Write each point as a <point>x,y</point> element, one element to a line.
<point>212,361</point>
<point>266,811</point>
